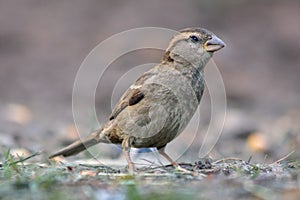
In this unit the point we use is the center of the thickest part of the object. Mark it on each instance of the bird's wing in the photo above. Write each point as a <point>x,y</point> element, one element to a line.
<point>131,97</point>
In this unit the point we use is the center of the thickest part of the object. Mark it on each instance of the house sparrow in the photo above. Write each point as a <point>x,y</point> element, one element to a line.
<point>159,105</point>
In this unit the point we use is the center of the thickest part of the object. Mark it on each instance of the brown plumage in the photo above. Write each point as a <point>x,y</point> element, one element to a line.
<point>159,105</point>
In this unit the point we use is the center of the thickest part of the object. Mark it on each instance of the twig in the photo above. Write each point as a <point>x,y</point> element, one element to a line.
<point>283,158</point>
<point>150,162</point>
<point>225,159</point>
<point>24,159</point>
<point>265,158</point>
<point>249,160</point>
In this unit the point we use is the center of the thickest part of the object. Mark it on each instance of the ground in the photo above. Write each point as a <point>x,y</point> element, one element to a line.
<point>36,177</point>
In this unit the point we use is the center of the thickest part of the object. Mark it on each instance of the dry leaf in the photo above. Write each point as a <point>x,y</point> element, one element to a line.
<point>87,173</point>
<point>257,142</point>
<point>19,114</point>
<point>19,153</point>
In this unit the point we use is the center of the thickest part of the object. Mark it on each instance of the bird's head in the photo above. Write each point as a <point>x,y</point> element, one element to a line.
<point>194,45</point>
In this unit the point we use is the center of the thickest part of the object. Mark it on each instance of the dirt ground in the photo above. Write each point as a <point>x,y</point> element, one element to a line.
<point>228,178</point>
<point>42,45</point>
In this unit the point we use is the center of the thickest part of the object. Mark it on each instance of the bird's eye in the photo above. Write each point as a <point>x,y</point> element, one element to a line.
<point>194,38</point>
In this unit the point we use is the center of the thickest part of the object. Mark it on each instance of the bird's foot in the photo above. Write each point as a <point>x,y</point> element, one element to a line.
<point>131,168</point>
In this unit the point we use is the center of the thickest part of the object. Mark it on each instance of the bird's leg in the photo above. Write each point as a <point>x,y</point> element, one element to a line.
<point>126,144</point>
<point>128,159</point>
<point>162,152</point>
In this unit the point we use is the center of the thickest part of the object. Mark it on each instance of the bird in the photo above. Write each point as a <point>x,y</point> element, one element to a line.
<point>157,107</point>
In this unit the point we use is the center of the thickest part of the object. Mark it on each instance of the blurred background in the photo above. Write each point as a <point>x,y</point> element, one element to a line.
<point>43,43</point>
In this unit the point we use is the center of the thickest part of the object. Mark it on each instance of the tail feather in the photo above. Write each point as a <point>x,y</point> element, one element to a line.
<point>78,146</point>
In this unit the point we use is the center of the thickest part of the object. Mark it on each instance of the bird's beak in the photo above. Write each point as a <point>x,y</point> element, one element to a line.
<point>214,44</point>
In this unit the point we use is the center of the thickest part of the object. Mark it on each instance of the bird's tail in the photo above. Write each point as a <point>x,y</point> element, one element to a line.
<point>79,145</point>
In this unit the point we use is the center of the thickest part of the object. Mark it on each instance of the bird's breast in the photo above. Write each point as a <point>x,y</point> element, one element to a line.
<point>185,86</point>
